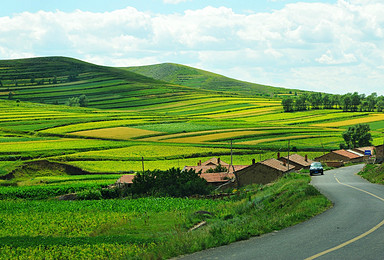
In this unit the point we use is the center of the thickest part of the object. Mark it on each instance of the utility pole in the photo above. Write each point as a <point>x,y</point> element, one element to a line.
<point>231,154</point>
<point>233,168</point>
<point>142,163</point>
<point>289,148</point>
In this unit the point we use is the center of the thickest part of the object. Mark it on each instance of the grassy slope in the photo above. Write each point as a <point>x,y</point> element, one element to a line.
<point>151,228</point>
<point>106,87</point>
<point>192,77</point>
<point>373,173</point>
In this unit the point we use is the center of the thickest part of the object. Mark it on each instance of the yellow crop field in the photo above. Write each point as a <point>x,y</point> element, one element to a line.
<point>92,125</point>
<point>244,113</point>
<point>146,151</point>
<point>254,142</point>
<point>368,119</point>
<point>181,135</point>
<point>216,136</point>
<point>119,133</point>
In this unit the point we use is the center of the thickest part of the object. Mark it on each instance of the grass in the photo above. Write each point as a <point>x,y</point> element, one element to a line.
<point>187,76</point>
<point>151,227</point>
<point>130,116</point>
<point>373,173</point>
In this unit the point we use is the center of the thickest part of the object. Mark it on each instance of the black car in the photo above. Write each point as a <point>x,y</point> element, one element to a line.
<point>316,167</point>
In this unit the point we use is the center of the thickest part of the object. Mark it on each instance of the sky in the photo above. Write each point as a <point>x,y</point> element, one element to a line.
<point>334,46</point>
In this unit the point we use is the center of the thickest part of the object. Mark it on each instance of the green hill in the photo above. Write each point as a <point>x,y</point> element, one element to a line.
<point>54,80</point>
<point>200,79</point>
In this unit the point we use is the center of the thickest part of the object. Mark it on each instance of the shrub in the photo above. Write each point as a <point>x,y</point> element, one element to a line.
<point>172,182</point>
<point>92,194</point>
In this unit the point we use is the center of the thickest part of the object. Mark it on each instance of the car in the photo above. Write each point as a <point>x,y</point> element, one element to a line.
<point>316,167</point>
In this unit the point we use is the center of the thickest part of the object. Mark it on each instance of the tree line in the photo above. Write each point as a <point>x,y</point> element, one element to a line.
<point>352,102</point>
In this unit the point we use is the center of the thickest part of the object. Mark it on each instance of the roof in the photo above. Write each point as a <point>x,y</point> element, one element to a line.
<point>347,154</point>
<point>299,160</point>
<point>363,149</point>
<point>205,168</point>
<point>215,161</point>
<point>209,177</point>
<point>358,152</point>
<point>278,165</point>
<point>217,177</point>
<point>126,178</point>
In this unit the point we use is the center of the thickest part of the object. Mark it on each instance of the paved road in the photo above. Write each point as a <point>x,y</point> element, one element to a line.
<point>352,229</point>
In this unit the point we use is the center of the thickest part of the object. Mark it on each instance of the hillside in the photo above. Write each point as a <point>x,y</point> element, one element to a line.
<point>200,79</point>
<point>54,80</point>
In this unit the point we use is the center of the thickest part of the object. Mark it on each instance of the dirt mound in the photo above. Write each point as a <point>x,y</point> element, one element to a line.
<point>44,168</point>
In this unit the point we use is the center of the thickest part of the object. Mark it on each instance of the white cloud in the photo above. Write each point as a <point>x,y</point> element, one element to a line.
<point>290,47</point>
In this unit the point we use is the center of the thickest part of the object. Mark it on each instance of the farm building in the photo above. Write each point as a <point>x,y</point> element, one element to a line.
<point>362,150</point>
<point>341,156</point>
<point>212,164</point>
<point>125,180</point>
<point>298,161</point>
<point>263,172</point>
<point>379,153</point>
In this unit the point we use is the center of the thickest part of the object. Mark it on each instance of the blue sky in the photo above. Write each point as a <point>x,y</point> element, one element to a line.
<point>331,46</point>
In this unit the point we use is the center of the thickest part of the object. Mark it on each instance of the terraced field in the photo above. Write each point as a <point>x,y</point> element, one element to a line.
<point>131,117</point>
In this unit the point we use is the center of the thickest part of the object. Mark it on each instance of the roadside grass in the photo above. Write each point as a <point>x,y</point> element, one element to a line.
<point>151,228</point>
<point>263,209</point>
<point>373,173</point>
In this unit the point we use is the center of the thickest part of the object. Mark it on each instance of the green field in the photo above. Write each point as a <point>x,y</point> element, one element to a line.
<point>132,120</point>
<point>168,124</point>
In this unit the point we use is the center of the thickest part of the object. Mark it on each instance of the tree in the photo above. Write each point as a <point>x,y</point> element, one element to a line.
<point>380,105</point>
<point>301,103</point>
<point>83,101</point>
<point>355,101</point>
<point>316,100</point>
<point>287,104</point>
<point>364,106</point>
<point>371,100</point>
<point>357,136</point>
<point>172,182</point>
<point>327,101</point>
<point>335,100</point>
<point>73,102</point>
<point>346,102</point>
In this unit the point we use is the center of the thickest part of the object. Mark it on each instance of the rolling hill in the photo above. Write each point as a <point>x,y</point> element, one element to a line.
<point>54,80</point>
<point>200,79</point>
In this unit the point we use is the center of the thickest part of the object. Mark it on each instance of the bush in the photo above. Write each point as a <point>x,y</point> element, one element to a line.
<point>172,182</point>
<point>89,195</point>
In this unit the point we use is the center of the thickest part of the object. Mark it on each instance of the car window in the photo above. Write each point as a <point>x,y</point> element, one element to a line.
<point>316,164</point>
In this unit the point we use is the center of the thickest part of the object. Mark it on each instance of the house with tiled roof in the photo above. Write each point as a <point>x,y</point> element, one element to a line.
<point>211,164</point>
<point>379,153</point>
<point>125,180</point>
<point>341,156</point>
<point>263,172</point>
<point>215,178</point>
<point>298,161</point>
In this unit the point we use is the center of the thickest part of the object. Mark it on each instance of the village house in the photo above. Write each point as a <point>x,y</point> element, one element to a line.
<point>379,152</point>
<point>263,172</point>
<point>215,178</point>
<point>344,156</point>
<point>125,180</point>
<point>212,164</point>
<point>298,161</point>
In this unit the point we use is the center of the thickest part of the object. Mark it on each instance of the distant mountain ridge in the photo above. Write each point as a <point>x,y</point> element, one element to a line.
<point>56,80</point>
<point>201,79</point>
